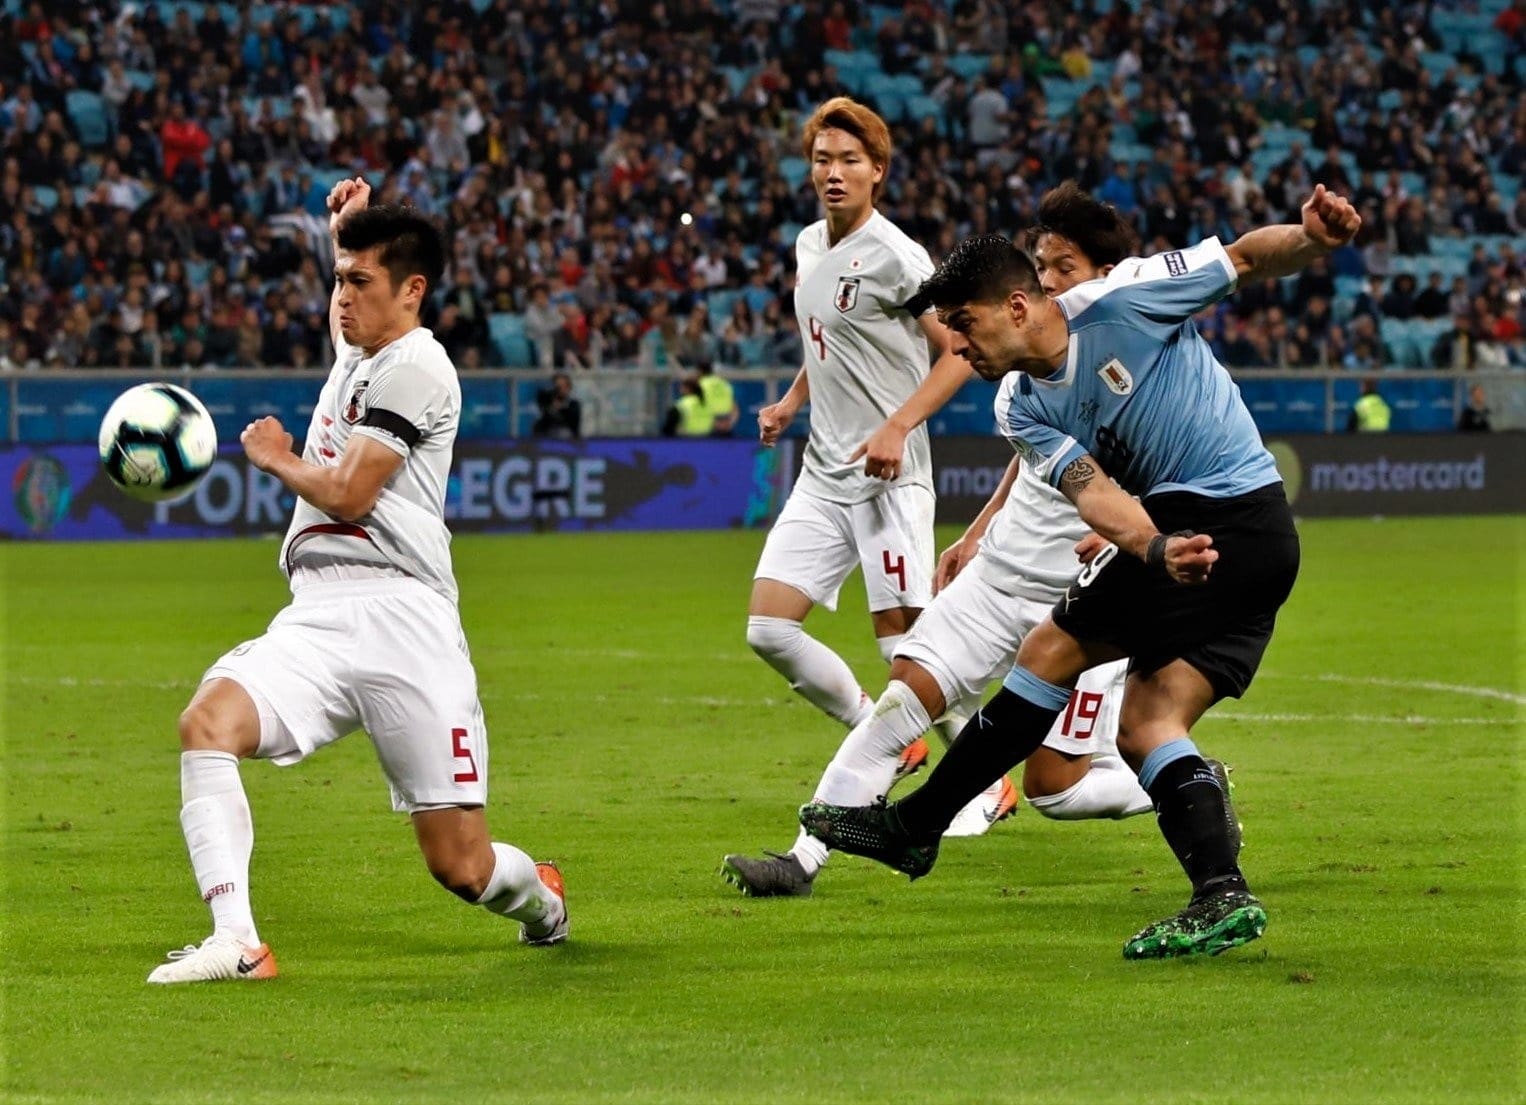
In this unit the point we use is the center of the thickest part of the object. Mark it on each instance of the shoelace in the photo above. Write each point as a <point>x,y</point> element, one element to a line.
<point>185,952</point>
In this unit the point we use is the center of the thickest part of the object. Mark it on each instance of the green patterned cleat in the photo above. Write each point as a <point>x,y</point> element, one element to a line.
<point>774,876</point>
<point>1206,927</point>
<point>1221,772</point>
<point>870,831</point>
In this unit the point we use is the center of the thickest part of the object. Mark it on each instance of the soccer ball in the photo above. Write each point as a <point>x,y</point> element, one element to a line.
<point>157,441</point>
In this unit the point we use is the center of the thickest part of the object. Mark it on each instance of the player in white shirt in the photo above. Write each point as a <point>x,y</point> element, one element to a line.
<point>865,495</point>
<point>994,585</point>
<point>372,638</point>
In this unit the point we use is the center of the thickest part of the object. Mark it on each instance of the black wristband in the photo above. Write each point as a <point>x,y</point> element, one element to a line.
<point>1155,554</point>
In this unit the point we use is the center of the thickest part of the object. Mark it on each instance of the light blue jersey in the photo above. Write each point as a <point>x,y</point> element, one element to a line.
<point>1140,390</point>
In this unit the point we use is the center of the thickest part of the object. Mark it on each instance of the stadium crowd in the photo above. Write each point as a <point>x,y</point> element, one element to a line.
<point>622,182</point>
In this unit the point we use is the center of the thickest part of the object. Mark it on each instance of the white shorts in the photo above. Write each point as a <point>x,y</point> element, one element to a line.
<point>816,543</point>
<point>384,655</point>
<point>969,637</point>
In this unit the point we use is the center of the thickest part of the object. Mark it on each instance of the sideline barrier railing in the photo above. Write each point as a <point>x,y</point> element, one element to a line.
<point>55,407</point>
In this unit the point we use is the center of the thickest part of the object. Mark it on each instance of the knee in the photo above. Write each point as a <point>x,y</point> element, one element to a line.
<point>202,728</point>
<point>465,876</point>
<point>1046,774</point>
<point>772,636</point>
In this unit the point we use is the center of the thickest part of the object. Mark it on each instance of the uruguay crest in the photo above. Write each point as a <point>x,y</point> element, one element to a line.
<point>1116,377</point>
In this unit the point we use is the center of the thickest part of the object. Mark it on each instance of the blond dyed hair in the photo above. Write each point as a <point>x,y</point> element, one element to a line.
<point>848,115</point>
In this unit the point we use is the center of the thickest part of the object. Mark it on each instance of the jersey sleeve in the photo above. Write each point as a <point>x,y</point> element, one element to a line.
<point>1043,448</point>
<point>1156,293</point>
<point>914,267</point>
<point>402,403</point>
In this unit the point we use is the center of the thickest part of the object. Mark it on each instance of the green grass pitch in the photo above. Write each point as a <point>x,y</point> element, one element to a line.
<point>636,739</point>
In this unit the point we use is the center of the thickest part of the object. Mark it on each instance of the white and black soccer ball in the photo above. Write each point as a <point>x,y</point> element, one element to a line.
<point>157,441</point>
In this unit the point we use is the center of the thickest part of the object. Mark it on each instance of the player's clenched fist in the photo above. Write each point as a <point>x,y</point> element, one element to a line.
<point>1329,219</point>
<point>346,198</point>
<point>265,440</point>
<point>773,420</point>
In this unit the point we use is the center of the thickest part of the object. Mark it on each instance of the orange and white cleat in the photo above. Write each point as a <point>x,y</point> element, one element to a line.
<point>217,959</point>
<point>997,802</point>
<point>554,927</point>
<point>912,759</point>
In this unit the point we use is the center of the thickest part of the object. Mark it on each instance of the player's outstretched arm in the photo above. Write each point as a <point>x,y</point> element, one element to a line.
<point>775,418</point>
<point>345,198</point>
<point>1122,519</point>
<point>883,451</point>
<point>1329,221</point>
<point>962,551</point>
<point>347,491</point>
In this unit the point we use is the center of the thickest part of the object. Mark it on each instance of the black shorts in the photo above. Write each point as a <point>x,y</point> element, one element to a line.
<point>1220,627</point>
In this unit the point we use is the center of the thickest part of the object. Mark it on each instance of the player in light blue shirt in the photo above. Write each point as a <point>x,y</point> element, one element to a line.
<point>1121,397</point>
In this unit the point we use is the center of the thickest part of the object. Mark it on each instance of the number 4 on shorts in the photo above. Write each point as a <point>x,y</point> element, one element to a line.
<point>897,568</point>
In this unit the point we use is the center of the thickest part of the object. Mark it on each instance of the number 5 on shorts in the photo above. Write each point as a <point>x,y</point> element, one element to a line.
<point>461,751</point>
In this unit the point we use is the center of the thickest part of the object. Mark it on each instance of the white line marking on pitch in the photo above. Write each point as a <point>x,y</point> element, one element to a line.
<point>1375,719</point>
<point>1407,684</point>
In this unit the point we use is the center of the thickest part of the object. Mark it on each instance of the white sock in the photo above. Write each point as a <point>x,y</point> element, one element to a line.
<point>950,725</point>
<point>1108,789</point>
<point>219,835</point>
<point>865,764</point>
<point>814,671</point>
<point>515,890</point>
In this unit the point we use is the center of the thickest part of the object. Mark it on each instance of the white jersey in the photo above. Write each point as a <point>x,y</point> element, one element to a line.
<point>865,353</point>
<point>408,398</point>
<point>1029,547</point>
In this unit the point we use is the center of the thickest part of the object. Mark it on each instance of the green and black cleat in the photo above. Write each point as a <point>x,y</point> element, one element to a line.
<point>774,876</point>
<point>873,832</point>
<point>1232,825</point>
<point>1206,927</point>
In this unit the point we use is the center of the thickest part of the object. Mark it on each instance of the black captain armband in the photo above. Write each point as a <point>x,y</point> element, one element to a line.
<point>1155,555</point>
<point>394,424</point>
<point>917,305</point>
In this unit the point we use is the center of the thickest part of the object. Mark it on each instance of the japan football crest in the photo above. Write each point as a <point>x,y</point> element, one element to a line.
<point>846,297</point>
<point>1116,377</point>
<point>352,408</point>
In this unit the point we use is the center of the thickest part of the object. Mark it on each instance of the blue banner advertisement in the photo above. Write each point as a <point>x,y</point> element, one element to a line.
<point>60,493</point>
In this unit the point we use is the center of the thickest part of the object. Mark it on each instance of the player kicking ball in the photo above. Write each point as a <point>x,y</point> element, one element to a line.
<point>372,638</point>
<point>994,585</point>
<point>864,498</point>
<point>1114,383</point>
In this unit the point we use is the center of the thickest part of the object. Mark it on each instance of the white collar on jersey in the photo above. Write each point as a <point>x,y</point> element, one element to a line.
<point>1064,377</point>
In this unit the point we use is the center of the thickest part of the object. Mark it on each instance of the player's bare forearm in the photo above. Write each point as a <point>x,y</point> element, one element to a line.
<point>799,392</point>
<point>1272,252</point>
<point>948,375</point>
<point>328,489</point>
<point>1107,508</point>
<point>1327,221</point>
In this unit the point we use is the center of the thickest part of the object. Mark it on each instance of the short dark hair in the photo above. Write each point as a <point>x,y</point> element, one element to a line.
<point>1098,229</point>
<point>407,243</point>
<point>981,269</point>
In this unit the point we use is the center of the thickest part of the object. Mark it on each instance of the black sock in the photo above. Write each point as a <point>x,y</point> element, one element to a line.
<point>1189,807</point>
<point>1001,735</point>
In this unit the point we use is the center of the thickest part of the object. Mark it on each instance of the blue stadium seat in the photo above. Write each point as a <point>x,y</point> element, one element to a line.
<point>924,107</point>
<point>140,79</point>
<point>87,111</point>
<point>969,66</point>
<point>509,341</point>
<point>794,170</point>
<point>736,77</point>
<point>47,197</point>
